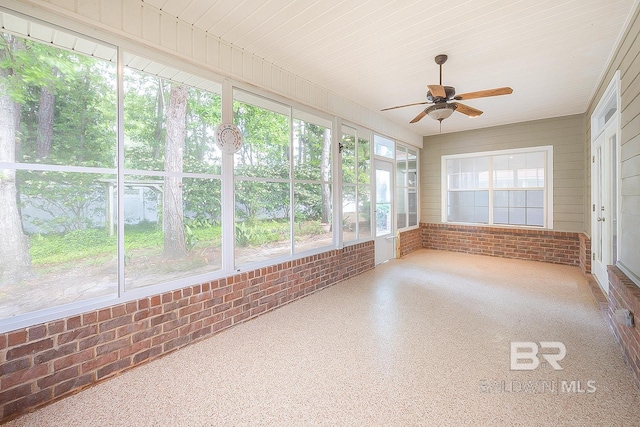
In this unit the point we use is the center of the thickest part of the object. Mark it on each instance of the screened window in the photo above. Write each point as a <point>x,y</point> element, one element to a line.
<point>282,180</point>
<point>172,181</point>
<point>356,184</point>
<point>312,191</point>
<point>262,179</point>
<point>406,187</point>
<point>510,187</point>
<point>57,150</point>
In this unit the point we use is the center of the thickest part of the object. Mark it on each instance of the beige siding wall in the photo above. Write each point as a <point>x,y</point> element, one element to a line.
<point>135,24</point>
<point>626,59</point>
<point>565,134</point>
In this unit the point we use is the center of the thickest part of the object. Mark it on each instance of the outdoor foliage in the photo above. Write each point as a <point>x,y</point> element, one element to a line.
<point>60,109</point>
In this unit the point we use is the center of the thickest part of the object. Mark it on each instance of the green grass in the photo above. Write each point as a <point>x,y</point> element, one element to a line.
<point>96,244</point>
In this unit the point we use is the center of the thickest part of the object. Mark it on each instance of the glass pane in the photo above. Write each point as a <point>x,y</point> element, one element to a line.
<point>312,220</point>
<point>517,199</point>
<point>364,161</point>
<point>61,249</point>
<point>468,173</point>
<point>364,212</point>
<point>311,151</point>
<point>172,228</point>
<point>154,143</point>
<point>263,228</point>
<point>500,215</point>
<point>401,207</point>
<point>265,129</point>
<point>349,213</point>
<point>501,198</point>
<point>348,157</point>
<point>383,146</point>
<point>519,170</point>
<point>535,198</point>
<point>383,202</point>
<point>413,208</point>
<point>517,216</point>
<point>401,168</point>
<point>481,215</point>
<point>468,206</point>
<point>412,168</point>
<point>535,216</point>
<point>65,104</point>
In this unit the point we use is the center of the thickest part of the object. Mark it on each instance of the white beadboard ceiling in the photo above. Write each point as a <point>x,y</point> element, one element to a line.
<point>380,53</point>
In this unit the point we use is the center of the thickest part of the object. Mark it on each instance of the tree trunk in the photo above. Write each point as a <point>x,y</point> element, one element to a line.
<point>45,120</point>
<point>174,239</point>
<point>15,261</point>
<point>325,170</point>
<point>158,137</point>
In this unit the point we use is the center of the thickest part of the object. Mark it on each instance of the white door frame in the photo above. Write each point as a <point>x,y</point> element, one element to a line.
<point>384,211</point>
<point>605,155</point>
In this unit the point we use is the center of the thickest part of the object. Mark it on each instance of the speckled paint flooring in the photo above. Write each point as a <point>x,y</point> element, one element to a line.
<point>424,340</point>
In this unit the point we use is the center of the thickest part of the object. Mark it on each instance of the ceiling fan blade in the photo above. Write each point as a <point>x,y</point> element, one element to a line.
<point>437,91</point>
<point>405,105</point>
<point>484,93</point>
<point>419,116</point>
<point>465,109</point>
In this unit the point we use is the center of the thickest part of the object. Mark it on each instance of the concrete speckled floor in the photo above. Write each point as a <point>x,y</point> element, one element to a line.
<point>424,340</point>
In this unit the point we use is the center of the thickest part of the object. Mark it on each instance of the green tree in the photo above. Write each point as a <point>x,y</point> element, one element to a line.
<point>14,250</point>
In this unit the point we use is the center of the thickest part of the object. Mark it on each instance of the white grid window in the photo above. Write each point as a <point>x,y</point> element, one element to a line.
<point>509,187</point>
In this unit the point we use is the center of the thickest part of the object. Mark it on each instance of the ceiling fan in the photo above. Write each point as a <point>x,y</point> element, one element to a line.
<point>443,99</point>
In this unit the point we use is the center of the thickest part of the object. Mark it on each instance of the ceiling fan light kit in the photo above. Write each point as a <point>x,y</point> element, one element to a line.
<point>441,111</point>
<point>442,96</point>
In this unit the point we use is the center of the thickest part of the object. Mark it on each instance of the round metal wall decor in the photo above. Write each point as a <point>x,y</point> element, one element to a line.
<point>228,138</point>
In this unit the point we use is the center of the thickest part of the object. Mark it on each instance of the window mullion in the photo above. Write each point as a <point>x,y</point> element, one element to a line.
<point>490,190</point>
<point>120,170</point>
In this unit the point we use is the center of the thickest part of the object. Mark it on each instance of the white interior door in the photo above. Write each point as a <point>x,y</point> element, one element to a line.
<point>604,203</point>
<point>384,211</point>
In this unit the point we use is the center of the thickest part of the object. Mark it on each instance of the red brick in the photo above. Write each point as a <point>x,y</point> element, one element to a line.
<point>163,318</point>
<point>24,376</point>
<point>113,367</point>
<point>58,377</point>
<point>16,338</point>
<point>29,401</point>
<point>73,359</point>
<point>115,322</point>
<point>74,322</point>
<point>95,340</point>
<point>15,393</point>
<point>134,348</point>
<point>146,355</point>
<point>99,361</point>
<point>90,318</point>
<point>15,365</point>
<point>72,384</point>
<point>77,334</point>
<point>104,314</point>
<point>118,310</point>
<point>112,346</point>
<point>31,348</point>
<point>55,327</point>
<point>37,332</point>
<point>55,353</point>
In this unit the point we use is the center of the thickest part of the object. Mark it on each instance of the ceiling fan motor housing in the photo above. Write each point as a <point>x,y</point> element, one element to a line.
<point>449,90</point>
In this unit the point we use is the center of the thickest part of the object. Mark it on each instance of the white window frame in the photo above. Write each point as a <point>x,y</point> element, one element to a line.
<point>548,185</point>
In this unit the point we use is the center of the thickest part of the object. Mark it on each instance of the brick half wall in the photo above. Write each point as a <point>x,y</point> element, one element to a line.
<point>556,247</point>
<point>46,362</point>
<point>410,241</point>
<point>623,293</point>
